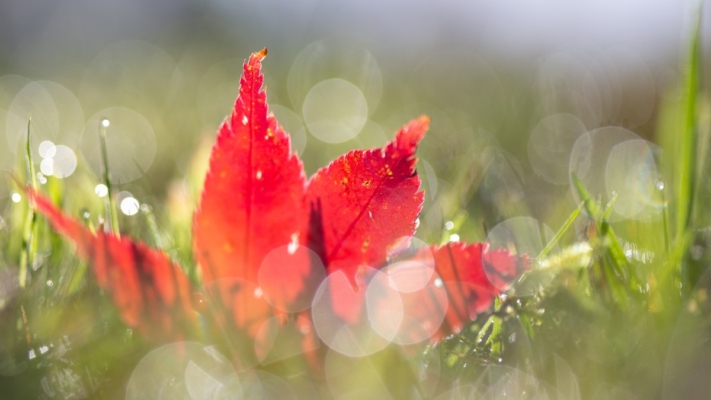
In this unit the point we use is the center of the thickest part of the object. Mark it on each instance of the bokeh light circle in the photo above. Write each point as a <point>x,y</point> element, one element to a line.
<point>130,143</point>
<point>523,237</point>
<point>589,163</point>
<point>278,339</point>
<point>550,144</point>
<point>64,162</point>
<point>101,190</point>
<point>56,116</point>
<point>410,264</point>
<point>129,206</point>
<point>423,312</point>
<point>259,384</point>
<point>10,85</point>
<point>327,59</point>
<point>47,149</point>
<point>562,88</point>
<point>47,166</point>
<point>289,276</point>
<point>356,323</point>
<point>335,110</point>
<point>503,180</point>
<point>631,174</point>
<point>183,370</point>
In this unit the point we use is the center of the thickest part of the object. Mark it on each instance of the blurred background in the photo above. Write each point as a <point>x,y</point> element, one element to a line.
<point>520,95</point>
<point>522,80</point>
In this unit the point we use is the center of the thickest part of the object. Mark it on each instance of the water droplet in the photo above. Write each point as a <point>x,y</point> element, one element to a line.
<point>417,223</point>
<point>449,225</point>
<point>50,283</point>
<point>129,206</point>
<point>245,120</point>
<point>659,184</point>
<point>101,190</point>
<point>16,197</point>
<point>258,293</point>
<point>85,213</point>
<point>454,237</point>
<point>105,122</point>
<point>438,283</point>
<point>294,244</point>
<point>259,175</point>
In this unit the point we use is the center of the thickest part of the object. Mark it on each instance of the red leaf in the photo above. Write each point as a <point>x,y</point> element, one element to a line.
<point>364,201</point>
<point>256,214</point>
<point>465,271</point>
<point>152,294</point>
<point>253,198</point>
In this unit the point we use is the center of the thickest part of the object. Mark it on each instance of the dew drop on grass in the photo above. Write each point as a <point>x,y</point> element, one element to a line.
<point>129,206</point>
<point>101,190</point>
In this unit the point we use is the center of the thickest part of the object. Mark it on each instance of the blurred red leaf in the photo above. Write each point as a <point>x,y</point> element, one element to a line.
<point>461,268</point>
<point>151,293</point>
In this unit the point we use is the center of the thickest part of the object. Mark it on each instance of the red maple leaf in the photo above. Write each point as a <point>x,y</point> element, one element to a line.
<point>265,238</point>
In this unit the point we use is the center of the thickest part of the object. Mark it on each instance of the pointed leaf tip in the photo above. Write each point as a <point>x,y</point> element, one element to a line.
<point>253,196</point>
<point>366,200</point>
<point>410,135</point>
<point>257,56</point>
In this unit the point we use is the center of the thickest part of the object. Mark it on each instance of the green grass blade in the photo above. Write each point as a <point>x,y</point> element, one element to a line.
<point>591,205</point>
<point>112,215</point>
<point>568,223</point>
<point>29,229</point>
<point>688,140</point>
